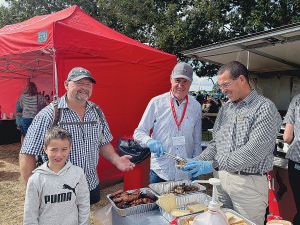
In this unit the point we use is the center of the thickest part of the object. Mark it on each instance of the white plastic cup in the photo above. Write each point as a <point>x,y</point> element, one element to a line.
<point>11,116</point>
<point>4,116</point>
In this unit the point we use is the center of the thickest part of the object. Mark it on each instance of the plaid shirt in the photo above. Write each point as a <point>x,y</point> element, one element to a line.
<point>244,135</point>
<point>86,138</point>
<point>293,117</point>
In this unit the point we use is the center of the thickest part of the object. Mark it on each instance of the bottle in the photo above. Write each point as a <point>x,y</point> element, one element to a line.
<point>213,216</point>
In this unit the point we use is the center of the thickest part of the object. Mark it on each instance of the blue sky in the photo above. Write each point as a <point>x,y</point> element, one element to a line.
<point>202,82</point>
<point>3,2</point>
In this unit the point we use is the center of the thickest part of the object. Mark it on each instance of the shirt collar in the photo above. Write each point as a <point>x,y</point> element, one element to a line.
<point>175,99</point>
<point>252,96</point>
<point>63,103</point>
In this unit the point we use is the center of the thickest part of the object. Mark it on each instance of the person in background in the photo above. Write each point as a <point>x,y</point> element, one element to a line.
<point>175,118</point>
<point>292,137</point>
<point>241,151</point>
<point>19,119</point>
<point>57,191</point>
<point>31,102</point>
<point>200,98</point>
<point>90,132</point>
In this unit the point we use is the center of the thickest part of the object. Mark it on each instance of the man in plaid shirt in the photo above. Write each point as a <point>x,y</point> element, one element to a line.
<point>241,152</point>
<point>90,133</point>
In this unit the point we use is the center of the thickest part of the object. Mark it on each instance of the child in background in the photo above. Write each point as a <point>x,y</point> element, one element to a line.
<point>57,191</point>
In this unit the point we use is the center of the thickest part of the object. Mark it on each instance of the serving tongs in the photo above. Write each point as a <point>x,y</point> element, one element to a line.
<point>178,159</point>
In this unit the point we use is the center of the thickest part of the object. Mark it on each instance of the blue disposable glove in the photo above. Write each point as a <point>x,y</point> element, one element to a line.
<point>156,147</point>
<point>198,168</point>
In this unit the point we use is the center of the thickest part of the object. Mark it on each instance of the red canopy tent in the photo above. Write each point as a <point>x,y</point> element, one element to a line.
<point>45,48</point>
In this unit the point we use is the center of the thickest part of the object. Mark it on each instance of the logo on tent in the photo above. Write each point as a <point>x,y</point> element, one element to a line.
<point>42,36</point>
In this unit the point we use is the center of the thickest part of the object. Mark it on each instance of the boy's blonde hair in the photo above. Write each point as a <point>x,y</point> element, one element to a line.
<point>56,133</point>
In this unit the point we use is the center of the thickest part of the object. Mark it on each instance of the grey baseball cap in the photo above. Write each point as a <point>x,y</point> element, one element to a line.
<point>182,70</point>
<point>77,73</point>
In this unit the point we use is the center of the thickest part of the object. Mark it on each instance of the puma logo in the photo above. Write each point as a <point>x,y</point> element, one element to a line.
<point>65,186</point>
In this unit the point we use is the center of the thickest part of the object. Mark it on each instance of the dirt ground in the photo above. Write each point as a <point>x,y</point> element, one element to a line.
<point>12,190</point>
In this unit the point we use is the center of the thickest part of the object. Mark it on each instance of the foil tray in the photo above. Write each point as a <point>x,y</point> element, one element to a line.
<point>182,201</point>
<point>180,219</point>
<point>166,187</point>
<point>135,209</point>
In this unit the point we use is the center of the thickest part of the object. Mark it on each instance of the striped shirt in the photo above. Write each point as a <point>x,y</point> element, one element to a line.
<point>159,117</point>
<point>86,138</point>
<point>32,104</point>
<point>244,135</point>
<point>293,117</point>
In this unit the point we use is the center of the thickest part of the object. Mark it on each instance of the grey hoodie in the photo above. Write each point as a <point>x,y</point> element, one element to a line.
<point>57,198</point>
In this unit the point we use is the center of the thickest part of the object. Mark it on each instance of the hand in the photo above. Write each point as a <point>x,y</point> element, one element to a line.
<point>156,147</point>
<point>198,168</point>
<point>123,163</point>
<point>189,161</point>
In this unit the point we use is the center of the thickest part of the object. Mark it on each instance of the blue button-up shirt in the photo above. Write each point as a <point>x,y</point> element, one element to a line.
<point>86,138</point>
<point>159,117</point>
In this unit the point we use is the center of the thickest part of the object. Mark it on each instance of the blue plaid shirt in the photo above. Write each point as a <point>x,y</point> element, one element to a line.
<point>86,138</point>
<point>244,135</point>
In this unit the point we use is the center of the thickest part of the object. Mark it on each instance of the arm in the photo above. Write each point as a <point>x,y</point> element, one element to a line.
<point>142,132</point>
<point>31,206</point>
<point>122,163</point>
<point>27,165</point>
<point>288,134</point>
<point>83,201</point>
<point>197,134</point>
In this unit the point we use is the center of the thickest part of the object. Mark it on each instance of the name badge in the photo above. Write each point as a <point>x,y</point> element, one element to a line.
<point>178,140</point>
<point>240,118</point>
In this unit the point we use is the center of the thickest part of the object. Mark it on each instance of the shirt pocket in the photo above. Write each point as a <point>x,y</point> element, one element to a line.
<point>242,131</point>
<point>189,123</point>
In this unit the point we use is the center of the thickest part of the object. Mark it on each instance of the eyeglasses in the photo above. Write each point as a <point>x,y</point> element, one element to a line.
<point>226,86</point>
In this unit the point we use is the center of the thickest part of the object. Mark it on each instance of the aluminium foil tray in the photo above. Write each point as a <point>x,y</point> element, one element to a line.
<point>135,209</point>
<point>166,187</point>
<point>180,219</point>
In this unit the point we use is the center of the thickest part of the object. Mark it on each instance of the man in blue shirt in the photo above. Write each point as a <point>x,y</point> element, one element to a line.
<point>90,134</point>
<point>175,118</point>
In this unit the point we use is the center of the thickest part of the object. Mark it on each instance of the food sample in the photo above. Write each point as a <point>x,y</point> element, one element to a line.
<point>182,189</point>
<point>124,200</point>
<point>196,208</point>
<point>168,202</point>
<point>234,219</point>
<point>187,221</point>
<point>180,164</point>
<point>178,212</point>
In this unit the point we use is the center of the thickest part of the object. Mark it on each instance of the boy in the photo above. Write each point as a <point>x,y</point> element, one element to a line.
<point>57,191</point>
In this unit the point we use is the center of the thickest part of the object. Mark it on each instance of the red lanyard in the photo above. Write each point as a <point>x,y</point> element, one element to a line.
<point>173,110</point>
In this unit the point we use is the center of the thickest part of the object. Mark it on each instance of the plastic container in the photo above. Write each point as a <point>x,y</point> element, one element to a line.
<point>213,215</point>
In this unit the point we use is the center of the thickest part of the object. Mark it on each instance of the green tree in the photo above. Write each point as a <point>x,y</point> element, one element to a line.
<point>171,25</point>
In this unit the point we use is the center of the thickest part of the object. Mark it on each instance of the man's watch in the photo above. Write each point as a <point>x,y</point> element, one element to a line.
<point>215,165</point>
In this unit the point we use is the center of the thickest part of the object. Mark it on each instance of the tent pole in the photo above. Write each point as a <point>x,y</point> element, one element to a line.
<point>55,97</point>
<point>248,61</point>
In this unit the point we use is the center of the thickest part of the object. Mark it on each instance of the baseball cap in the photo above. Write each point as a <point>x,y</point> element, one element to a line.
<point>77,73</point>
<point>182,70</point>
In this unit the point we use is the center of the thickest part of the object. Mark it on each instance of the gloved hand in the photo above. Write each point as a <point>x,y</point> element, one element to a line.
<point>156,147</point>
<point>198,168</point>
<point>189,161</point>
